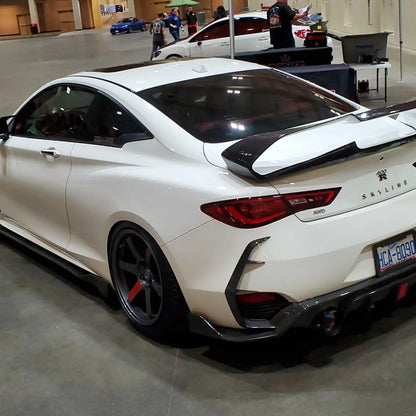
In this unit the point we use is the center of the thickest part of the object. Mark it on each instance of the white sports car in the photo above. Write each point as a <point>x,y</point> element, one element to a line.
<point>251,34</point>
<point>217,195</point>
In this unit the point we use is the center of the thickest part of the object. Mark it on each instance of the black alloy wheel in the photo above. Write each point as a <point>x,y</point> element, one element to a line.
<point>145,284</point>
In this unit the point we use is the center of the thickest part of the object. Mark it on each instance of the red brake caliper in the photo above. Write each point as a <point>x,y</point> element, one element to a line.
<point>134,291</point>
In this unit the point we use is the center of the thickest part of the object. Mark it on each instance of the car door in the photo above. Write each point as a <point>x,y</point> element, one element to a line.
<point>214,40</point>
<point>35,164</point>
<point>101,167</point>
<point>252,34</point>
<point>134,24</point>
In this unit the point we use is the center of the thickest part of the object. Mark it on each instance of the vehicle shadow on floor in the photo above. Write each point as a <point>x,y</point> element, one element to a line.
<point>301,346</point>
<point>295,348</point>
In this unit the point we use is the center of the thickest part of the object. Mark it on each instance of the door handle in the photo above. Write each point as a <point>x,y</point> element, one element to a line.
<point>225,44</point>
<point>51,151</point>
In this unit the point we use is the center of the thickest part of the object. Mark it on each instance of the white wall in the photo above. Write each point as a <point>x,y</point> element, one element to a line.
<point>361,16</point>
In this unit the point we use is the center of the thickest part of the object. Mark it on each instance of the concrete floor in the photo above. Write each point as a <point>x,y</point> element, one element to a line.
<point>64,351</point>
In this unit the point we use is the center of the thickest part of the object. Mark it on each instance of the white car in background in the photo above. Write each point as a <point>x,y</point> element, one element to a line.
<point>251,34</point>
<point>217,195</point>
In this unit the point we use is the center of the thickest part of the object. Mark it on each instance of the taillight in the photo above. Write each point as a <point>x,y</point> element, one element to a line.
<point>258,211</point>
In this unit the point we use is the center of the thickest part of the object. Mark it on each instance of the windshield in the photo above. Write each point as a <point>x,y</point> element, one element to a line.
<point>232,106</point>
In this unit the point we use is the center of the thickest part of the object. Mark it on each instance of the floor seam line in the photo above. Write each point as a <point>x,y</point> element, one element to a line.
<point>173,381</point>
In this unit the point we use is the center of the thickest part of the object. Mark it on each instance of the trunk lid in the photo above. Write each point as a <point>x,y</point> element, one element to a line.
<point>371,161</point>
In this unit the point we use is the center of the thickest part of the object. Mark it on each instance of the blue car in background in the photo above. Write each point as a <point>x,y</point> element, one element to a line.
<point>127,25</point>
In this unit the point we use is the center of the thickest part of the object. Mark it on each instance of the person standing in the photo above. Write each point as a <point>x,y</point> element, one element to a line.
<point>157,29</point>
<point>191,20</point>
<point>174,22</point>
<point>280,17</point>
<point>165,19</point>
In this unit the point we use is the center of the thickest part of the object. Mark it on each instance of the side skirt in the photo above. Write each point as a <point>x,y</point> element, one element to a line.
<point>97,281</point>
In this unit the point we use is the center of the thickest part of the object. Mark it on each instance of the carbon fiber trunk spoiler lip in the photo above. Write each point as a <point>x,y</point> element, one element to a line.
<point>241,156</point>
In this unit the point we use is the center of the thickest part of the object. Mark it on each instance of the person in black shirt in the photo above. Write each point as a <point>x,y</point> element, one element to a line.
<point>191,20</point>
<point>280,17</point>
<point>157,29</point>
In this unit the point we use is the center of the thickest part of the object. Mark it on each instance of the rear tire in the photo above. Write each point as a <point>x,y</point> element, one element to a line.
<point>174,57</point>
<point>145,284</point>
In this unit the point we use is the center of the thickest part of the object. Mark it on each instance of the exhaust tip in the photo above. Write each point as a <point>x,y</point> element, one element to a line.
<point>328,322</point>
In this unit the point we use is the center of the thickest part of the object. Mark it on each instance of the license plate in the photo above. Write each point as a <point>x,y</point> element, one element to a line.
<point>395,253</point>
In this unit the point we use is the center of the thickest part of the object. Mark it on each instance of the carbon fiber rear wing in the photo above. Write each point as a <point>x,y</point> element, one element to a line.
<point>390,110</point>
<point>241,156</point>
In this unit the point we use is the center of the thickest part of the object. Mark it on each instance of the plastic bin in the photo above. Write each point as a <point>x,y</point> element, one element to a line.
<point>363,48</point>
<point>34,29</point>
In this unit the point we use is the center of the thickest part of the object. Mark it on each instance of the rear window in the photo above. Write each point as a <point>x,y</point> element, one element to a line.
<point>232,106</point>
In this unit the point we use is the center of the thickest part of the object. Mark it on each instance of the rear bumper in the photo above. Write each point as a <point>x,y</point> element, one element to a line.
<point>115,31</point>
<point>306,314</point>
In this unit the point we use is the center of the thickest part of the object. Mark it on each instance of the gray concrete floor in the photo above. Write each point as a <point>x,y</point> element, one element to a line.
<point>64,351</point>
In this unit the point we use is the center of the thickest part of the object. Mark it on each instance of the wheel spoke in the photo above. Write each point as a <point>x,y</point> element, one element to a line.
<point>133,249</point>
<point>148,294</point>
<point>157,288</point>
<point>134,291</point>
<point>128,267</point>
<point>148,256</point>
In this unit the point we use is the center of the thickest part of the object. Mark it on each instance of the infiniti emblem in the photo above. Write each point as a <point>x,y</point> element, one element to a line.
<point>382,174</point>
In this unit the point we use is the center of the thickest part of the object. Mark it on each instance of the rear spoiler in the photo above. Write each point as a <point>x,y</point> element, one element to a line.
<point>241,156</point>
<point>390,110</point>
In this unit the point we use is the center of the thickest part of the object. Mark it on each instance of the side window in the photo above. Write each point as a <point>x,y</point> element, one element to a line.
<point>216,31</point>
<point>71,112</point>
<point>248,25</point>
<point>57,113</point>
<point>107,123</point>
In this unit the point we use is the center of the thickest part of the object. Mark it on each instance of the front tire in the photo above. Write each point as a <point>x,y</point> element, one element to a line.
<point>145,284</point>
<point>174,57</point>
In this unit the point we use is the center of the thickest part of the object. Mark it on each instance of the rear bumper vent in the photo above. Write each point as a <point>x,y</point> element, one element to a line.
<point>260,306</point>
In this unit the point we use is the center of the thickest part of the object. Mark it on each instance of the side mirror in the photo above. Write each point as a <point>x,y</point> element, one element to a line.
<point>199,43</point>
<point>4,128</point>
